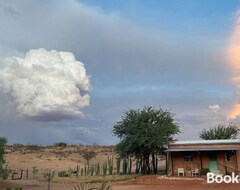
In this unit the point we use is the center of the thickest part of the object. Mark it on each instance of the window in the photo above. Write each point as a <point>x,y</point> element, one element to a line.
<point>188,156</point>
<point>228,156</point>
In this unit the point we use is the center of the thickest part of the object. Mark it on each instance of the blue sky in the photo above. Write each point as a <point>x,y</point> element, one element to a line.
<point>169,54</point>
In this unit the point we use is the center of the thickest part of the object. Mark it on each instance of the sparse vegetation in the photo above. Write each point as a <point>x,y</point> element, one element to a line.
<point>204,171</point>
<point>48,176</point>
<point>15,188</point>
<point>34,170</point>
<point>33,147</point>
<point>61,144</point>
<point>93,179</point>
<point>63,174</point>
<point>18,145</point>
<point>102,170</point>
<point>88,156</point>
<point>87,186</point>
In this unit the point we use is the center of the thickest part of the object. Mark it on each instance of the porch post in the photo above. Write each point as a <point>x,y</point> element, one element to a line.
<point>170,154</point>
<point>201,165</point>
<point>199,160</point>
<point>167,163</point>
<point>236,162</point>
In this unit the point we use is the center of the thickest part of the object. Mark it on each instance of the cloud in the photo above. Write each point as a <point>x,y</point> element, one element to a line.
<point>46,85</point>
<point>9,11</point>
<point>214,108</point>
<point>131,65</point>
<point>112,46</point>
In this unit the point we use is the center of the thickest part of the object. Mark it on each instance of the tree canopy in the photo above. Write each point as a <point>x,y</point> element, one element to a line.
<point>144,134</point>
<point>88,156</point>
<point>221,131</point>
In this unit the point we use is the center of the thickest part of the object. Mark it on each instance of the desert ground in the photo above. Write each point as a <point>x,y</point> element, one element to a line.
<point>64,158</point>
<point>152,182</point>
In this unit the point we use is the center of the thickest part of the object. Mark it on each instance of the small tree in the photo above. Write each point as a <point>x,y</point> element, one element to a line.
<point>88,156</point>
<point>34,171</point>
<point>3,170</point>
<point>230,131</point>
<point>48,176</point>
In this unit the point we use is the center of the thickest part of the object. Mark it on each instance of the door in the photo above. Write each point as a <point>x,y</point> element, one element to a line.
<point>213,166</point>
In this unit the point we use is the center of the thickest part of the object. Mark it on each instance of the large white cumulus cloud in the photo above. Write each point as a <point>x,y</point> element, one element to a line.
<point>46,85</point>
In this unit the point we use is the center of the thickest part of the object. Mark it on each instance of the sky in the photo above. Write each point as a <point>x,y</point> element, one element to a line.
<point>70,69</point>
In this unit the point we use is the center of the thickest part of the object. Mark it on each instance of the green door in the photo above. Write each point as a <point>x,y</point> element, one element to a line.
<point>213,166</point>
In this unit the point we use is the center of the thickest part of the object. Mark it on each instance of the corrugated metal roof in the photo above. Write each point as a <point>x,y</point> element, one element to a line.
<point>227,141</point>
<point>199,149</point>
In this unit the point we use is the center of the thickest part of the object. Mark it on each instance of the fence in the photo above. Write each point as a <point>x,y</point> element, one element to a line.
<point>18,174</point>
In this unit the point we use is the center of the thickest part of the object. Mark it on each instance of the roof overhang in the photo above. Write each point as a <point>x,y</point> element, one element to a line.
<point>206,142</point>
<point>200,149</point>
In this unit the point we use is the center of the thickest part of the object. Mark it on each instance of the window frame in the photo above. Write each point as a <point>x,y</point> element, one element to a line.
<point>188,156</point>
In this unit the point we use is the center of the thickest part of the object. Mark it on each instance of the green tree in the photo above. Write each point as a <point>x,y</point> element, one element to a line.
<point>144,134</point>
<point>221,131</point>
<point>3,170</point>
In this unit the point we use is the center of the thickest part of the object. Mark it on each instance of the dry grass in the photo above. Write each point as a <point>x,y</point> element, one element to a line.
<point>92,179</point>
<point>53,157</point>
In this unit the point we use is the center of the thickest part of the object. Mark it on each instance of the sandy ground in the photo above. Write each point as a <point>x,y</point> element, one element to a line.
<point>54,158</point>
<point>59,159</point>
<point>140,183</point>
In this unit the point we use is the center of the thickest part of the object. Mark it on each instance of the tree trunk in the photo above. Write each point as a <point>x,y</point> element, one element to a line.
<point>144,165</point>
<point>48,187</point>
<point>153,163</point>
<point>156,163</point>
<point>148,166</point>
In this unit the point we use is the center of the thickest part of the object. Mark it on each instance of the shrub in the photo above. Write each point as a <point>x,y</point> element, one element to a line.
<point>63,174</point>
<point>4,172</point>
<point>48,176</point>
<point>204,171</point>
<point>33,147</point>
<point>18,145</point>
<point>16,188</point>
<point>61,144</point>
<point>34,170</point>
<point>86,186</point>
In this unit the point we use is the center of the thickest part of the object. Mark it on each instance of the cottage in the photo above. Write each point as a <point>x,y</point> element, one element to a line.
<point>189,158</point>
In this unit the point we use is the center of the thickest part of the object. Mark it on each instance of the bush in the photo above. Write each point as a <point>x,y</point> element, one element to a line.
<point>63,174</point>
<point>16,188</point>
<point>86,186</point>
<point>4,172</point>
<point>33,147</point>
<point>61,144</point>
<point>18,145</point>
<point>204,171</point>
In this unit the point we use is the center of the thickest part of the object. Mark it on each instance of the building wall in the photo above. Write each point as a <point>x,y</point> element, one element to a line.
<point>238,159</point>
<point>201,160</point>
<point>178,162</point>
<point>221,159</point>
